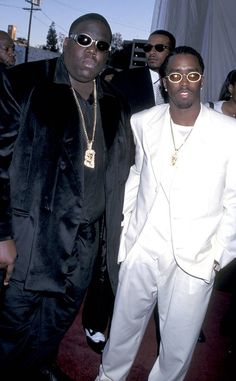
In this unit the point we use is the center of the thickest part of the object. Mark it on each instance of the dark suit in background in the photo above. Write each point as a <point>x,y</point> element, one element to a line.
<point>136,87</point>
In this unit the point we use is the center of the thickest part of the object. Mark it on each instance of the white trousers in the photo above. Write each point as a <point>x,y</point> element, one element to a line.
<point>182,304</point>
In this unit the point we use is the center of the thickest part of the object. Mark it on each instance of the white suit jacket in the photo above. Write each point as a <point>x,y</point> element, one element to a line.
<point>202,198</point>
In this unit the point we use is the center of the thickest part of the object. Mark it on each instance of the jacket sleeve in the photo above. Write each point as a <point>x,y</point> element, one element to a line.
<point>225,240</point>
<point>9,122</point>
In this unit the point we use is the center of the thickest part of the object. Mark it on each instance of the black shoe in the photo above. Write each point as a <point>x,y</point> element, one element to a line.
<point>52,373</point>
<point>96,340</point>
<point>201,337</point>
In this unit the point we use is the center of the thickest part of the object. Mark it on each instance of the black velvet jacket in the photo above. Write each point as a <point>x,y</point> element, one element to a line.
<point>9,121</point>
<point>46,176</point>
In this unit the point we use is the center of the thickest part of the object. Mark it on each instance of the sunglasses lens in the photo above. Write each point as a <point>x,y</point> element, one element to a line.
<point>193,77</point>
<point>175,77</point>
<point>159,48</point>
<point>84,40</point>
<point>147,47</point>
<point>103,46</point>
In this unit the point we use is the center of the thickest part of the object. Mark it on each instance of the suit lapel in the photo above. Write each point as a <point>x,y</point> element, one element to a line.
<point>66,128</point>
<point>157,138</point>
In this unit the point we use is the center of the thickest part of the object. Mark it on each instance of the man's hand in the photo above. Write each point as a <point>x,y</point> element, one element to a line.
<point>7,258</point>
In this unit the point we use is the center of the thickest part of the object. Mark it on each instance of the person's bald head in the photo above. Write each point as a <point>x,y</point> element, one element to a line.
<point>7,49</point>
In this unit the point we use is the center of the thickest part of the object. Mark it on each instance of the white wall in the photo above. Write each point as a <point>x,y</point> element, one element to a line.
<point>208,26</point>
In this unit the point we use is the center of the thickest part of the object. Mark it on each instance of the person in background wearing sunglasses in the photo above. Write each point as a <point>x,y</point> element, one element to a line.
<point>142,86</point>
<point>226,104</point>
<point>70,161</point>
<point>142,89</point>
<point>7,50</point>
<point>179,223</point>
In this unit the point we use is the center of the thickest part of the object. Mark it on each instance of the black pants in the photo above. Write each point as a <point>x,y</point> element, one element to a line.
<point>32,324</point>
<point>98,304</point>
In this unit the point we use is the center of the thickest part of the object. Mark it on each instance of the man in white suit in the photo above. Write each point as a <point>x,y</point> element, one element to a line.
<point>179,223</point>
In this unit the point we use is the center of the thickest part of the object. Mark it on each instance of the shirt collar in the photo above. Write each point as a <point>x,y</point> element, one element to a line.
<point>154,75</point>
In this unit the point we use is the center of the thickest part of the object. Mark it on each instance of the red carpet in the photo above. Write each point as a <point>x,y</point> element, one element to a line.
<point>209,362</point>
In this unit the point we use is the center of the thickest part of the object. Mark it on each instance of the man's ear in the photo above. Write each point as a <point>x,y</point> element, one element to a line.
<point>65,42</point>
<point>202,81</point>
<point>230,88</point>
<point>164,83</point>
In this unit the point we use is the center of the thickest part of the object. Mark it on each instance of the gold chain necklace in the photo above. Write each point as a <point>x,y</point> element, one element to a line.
<point>89,156</point>
<point>174,156</point>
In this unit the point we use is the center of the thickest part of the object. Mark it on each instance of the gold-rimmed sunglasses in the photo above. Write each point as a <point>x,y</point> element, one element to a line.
<point>192,77</point>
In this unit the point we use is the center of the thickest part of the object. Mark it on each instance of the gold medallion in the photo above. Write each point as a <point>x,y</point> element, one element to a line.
<point>174,158</point>
<point>89,158</point>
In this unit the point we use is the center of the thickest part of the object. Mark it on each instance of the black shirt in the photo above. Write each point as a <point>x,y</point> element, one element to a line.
<point>94,178</point>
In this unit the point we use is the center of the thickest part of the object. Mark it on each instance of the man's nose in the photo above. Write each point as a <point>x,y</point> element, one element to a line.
<point>184,79</point>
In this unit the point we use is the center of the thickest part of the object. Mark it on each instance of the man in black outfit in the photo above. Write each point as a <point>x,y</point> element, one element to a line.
<point>71,158</point>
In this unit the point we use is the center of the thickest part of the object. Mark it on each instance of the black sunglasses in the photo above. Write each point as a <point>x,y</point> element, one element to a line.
<point>85,41</point>
<point>158,47</point>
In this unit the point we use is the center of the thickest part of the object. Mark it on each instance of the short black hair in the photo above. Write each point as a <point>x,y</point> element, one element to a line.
<point>225,94</point>
<point>167,34</point>
<point>181,50</point>
<point>90,16</point>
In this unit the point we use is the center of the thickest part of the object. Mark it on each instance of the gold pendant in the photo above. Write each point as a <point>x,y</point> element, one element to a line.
<point>174,158</point>
<point>89,158</point>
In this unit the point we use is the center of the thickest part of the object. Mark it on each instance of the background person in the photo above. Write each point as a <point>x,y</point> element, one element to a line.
<point>226,277</point>
<point>142,85</point>
<point>7,50</point>
<point>227,98</point>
